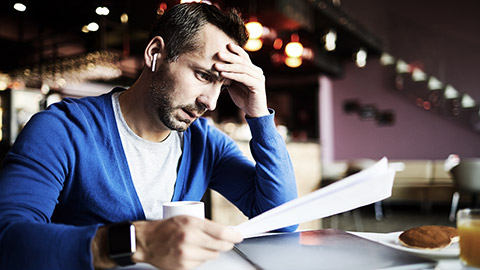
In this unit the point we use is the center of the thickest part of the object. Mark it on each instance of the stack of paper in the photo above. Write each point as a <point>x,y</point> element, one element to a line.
<point>366,187</point>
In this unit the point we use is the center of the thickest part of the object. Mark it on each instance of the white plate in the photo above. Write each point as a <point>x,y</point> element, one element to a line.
<point>391,240</point>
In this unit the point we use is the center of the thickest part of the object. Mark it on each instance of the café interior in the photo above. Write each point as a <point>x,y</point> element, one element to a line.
<point>350,81</point>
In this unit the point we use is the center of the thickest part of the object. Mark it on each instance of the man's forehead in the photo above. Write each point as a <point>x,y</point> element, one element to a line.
<point>212,40</point>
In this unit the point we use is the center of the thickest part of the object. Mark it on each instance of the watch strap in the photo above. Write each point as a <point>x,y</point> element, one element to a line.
<point>123,260</point>
<point>121,243</point>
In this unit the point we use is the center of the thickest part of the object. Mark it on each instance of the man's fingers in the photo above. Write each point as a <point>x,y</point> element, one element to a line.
<point>238,50</point>
<point>230,58</point>
<point>222,232</point>
<point>236,54</point>
<point>252,71</point>
<point>214,244</point>
<point>208,234</point>
<point>247,81</point>
<point>199,254</point>
<point>184,242</point>
<point>239,67</point>
<point>200,239</point>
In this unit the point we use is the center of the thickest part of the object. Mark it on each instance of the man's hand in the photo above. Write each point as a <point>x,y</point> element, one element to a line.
<point>181,242</point>
<point>248,82</point>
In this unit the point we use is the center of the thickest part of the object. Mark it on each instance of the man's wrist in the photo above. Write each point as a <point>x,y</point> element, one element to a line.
<point>263,128</point>
<point>99,250</point>
<point>257,115</point>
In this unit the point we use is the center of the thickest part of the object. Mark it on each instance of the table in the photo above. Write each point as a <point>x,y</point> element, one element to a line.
<point>443,264</point>
<point>233,261</point>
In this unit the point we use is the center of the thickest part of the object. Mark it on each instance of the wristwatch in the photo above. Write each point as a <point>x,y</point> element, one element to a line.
<point>121,243</point>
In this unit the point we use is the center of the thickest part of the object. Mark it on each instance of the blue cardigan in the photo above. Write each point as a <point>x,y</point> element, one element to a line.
<point>67,174</point>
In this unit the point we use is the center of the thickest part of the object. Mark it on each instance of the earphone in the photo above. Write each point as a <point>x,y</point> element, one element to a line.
<point>154,61</point>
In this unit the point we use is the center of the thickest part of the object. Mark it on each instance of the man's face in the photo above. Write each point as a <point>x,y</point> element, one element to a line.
<point>181,91</point>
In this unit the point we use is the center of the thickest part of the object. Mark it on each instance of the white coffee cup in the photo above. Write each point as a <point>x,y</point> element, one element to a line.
<point>189,208</point>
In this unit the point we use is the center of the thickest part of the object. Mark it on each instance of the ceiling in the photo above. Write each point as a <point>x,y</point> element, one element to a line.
<point>51,29</point>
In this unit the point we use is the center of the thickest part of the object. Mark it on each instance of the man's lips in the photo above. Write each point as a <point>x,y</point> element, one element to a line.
<point>191,114</point>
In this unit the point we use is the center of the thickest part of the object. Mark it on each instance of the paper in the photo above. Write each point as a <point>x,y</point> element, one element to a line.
<point>365,187</point>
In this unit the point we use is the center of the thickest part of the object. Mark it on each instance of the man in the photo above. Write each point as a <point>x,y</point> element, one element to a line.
<point>83,167</point>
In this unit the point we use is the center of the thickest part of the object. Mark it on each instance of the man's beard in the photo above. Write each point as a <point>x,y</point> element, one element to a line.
<point>161,90</point>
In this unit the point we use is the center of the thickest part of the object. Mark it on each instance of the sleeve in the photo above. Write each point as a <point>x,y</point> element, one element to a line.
<point>256,188</point>
<point>31,180</point>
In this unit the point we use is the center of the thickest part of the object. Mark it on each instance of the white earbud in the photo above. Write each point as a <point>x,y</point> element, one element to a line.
<point>154,61</point>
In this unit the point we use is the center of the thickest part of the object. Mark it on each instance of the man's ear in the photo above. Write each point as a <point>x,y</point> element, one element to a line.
<point>154,52</point>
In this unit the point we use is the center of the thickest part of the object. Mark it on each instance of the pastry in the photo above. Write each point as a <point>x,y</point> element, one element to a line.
<point>430,237</point>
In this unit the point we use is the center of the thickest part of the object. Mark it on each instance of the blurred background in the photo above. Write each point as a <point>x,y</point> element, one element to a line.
<point>351,82</point>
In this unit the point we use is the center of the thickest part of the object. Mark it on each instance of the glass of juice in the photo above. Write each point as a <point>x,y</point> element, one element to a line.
<point>468,226</point>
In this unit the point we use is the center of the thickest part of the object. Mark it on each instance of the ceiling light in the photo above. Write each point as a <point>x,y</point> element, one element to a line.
<point>450,92</point>
<point>253,45</point>
<point>434,84</point>
<point>330,40</point>
<point>45,88</point>
<point>468,101</point>
<point>124,18</point>
<point>20,7</point>
<point>3,85</point>
<point>103,11</point>
<point>4,82</point>
<point>61,82</point>
<point>294,49</point>
<point>308,53</point>
<point>361,58</point>
<point>85,29</point>
<point>255,29</point>
<point>418,75</point>
<point>293,62</point>
<point>402,66</point>
<point>93,26</point>
<point>386,59</point>
<point>277,44</point>
<point>161,8</point>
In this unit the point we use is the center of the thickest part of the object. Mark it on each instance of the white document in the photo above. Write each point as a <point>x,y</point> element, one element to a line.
<point>365,187</point>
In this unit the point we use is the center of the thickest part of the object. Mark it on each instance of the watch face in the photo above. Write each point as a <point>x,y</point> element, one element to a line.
<point>121,239</point>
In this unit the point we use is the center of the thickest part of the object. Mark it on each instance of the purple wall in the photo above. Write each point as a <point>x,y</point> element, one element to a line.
<point>443,37</point>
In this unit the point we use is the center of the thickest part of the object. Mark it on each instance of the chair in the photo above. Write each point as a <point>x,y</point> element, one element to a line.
<point>466,178</point>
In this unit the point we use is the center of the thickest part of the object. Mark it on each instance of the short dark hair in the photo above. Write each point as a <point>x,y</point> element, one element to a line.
<point>179,26</point>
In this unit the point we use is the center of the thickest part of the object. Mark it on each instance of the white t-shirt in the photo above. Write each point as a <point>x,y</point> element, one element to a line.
<point>153,165</point>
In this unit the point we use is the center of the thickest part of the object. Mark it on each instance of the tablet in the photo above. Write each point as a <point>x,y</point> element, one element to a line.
<point>325,249</point>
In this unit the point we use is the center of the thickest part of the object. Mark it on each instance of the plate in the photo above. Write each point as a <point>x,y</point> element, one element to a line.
<point>391,240</point>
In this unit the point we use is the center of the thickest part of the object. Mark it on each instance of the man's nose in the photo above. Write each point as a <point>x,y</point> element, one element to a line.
<point>210,96</point>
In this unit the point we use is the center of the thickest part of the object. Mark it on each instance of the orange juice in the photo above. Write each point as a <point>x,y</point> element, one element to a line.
<point>469,232</point>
